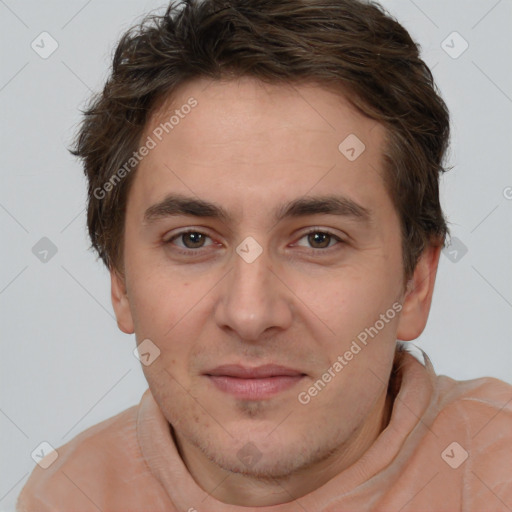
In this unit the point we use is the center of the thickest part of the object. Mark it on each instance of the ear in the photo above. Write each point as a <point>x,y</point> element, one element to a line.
<point>120,303</point>
<point>418,296</point>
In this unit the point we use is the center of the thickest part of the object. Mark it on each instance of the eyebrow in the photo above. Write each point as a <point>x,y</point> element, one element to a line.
<point>175,205</point>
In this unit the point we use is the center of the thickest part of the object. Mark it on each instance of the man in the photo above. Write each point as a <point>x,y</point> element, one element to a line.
<point>263,187</point>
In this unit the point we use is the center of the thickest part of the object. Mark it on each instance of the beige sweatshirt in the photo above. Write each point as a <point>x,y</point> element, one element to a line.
<point>447,447</point>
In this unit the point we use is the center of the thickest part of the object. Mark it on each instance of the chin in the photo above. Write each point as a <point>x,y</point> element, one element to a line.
<point>270,462</point>
<point>255,453</point>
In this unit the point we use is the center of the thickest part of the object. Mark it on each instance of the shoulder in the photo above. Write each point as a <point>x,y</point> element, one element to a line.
<point>460,448</point>
<point>104,457</point>
<point>484,398</point>
<point>474,428</point>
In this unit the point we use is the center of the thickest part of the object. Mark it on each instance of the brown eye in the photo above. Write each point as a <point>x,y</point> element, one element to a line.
<point>193,239</point>
<point>190,240</point>
<point>319,240</point>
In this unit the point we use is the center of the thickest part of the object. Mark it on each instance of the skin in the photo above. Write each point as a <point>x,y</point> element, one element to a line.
<point>251,148</point>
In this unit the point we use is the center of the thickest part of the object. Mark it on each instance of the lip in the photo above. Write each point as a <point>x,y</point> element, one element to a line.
<point>257,372</point>
<point>256,383</point>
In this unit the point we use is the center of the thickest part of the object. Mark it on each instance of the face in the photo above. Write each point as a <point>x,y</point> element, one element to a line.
<point>258,254</point>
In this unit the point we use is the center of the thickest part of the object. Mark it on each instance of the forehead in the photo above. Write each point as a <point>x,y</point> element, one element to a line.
<point>228,140</point>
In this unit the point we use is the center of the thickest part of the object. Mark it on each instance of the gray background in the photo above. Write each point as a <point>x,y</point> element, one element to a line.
<point>64,365</point>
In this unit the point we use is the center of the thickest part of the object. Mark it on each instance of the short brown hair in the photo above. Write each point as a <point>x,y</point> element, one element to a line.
<point>350,46</point>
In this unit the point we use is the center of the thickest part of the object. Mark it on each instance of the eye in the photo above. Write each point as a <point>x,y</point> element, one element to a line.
<point>190,240</point>
<point>187,241</point>
<point>318,239</point>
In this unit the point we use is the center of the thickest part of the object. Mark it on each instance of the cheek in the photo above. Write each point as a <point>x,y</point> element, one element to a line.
<point>159,300</point>
<point>346,302</point>
<point>170,311</point>
<point>177,400</point>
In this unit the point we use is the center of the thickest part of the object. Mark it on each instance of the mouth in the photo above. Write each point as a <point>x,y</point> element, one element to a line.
<point>256,383</point>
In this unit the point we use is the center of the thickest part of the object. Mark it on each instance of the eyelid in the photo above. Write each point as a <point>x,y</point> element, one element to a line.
<point>320,229</point>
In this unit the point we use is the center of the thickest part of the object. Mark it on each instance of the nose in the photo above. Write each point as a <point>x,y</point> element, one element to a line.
<point>253,300</point>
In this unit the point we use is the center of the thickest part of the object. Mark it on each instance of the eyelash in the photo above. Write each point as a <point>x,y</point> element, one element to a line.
<point>196,252</point>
